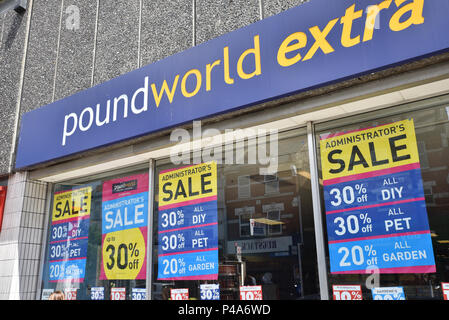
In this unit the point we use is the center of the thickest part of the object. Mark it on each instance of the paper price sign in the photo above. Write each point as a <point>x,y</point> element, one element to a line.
<point>118,293</point>
<point>179,294</point>
<point>46,293</point>
<point>445,288</point>
<point>388,293</point>
<point>70,293</point>
<point>251,293</point>
<point>350,292</point>
<point>97,293</point>
<point>139,294</point>
<point>210,292</point>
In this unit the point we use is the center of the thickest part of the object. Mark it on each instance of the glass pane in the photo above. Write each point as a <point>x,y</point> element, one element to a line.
<point>385,197</point>
<point>97,237</point>
<point>265,230</point>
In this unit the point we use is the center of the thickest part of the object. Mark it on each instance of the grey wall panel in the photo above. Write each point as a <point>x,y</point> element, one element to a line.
<point>2,20</point>
<point>217,17</point>
<point>167,28</point>
<point>11,53</point>
<point>272,7</point>
<point>41,55</point>
<point>117,39</point>
<point>76,47</point>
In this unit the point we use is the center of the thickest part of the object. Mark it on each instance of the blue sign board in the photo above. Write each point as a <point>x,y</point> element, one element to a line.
<point>312,45</point>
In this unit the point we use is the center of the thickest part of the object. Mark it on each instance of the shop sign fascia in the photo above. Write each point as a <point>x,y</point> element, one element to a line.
<point>312,45</point>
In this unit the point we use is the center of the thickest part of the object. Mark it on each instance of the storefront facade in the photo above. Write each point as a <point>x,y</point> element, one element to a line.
<point>300,157</point>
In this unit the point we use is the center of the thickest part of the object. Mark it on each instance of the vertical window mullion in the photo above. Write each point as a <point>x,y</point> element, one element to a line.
<point>317,218</point>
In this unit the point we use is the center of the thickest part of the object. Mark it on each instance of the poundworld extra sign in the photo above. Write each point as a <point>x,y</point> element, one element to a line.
<point>317,43</point>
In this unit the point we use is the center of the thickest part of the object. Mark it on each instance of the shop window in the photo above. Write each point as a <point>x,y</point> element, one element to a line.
<point>244,186</point>
<point>271,184</point>
<point>274,226</point>
<point>423,159</point>
<point>262,225</point>
<point>245,215</point>
<point>257,229</point>
<point>273,217</point>
<point>96,244</point>
<point>363,161</point>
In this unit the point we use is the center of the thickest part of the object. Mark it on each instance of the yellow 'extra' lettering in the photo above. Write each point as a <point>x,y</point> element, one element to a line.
<point>373,13</point>
<point>408,14</point>
<point>347,22</point>
<point>416,8</point>
<point>320,40</point>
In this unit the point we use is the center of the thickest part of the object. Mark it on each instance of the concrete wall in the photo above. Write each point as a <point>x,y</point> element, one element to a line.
<point>12,39</point>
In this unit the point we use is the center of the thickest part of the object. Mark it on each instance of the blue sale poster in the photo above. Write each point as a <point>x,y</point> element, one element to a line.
<point>187,224</point>
<point>69,235</point>
<point>374,200</point>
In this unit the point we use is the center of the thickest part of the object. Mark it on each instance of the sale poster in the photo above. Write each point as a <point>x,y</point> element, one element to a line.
<point>374,200</point>
<point>69,235</point>
<point>347,292</point>
<point>124,228</point>
<point>187,224</point>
